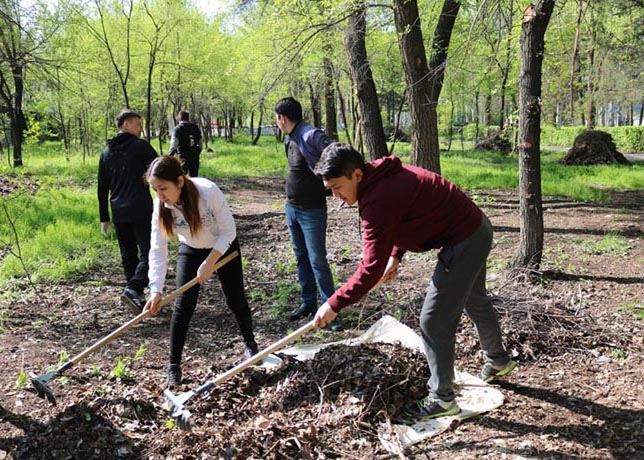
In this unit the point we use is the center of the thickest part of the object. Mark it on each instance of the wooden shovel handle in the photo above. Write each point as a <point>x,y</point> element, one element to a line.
<point>140,317</point>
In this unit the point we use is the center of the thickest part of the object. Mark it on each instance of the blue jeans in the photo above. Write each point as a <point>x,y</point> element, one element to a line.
<point>308,237</point>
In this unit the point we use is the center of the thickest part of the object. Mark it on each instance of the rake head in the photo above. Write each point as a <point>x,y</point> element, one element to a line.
<point>42,389</point>
<point>176,406</point>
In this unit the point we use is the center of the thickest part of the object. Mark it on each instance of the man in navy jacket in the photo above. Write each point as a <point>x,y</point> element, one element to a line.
<point>306,213</point>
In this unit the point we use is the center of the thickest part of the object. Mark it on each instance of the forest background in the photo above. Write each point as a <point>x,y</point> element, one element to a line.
<point>66,68</point>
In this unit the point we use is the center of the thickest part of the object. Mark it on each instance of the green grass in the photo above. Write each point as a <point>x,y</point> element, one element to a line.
<point>609,244</point>
<point>58,234</point>
<point>58,226</point>
<point>635,308</point>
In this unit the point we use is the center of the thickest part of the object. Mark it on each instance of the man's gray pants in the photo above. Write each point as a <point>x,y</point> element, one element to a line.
<point>458,284</point>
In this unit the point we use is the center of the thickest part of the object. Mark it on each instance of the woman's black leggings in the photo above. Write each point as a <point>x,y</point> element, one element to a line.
<point>231,278</point>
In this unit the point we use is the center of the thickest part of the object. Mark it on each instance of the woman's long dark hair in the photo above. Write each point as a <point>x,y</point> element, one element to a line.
<point>169,168</point>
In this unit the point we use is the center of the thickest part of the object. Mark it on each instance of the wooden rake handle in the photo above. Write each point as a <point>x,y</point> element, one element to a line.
<point>257,358</point>
<point>140,317</point>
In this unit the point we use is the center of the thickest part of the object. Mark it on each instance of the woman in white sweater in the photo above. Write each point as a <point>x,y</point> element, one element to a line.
<point>196,211</point>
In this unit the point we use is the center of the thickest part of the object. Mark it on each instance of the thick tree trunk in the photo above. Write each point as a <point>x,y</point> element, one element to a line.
<point>18,121</point>
<point>535,22</point>
<point>354,43</point>
<point>423,92</point>
<point>330,111</point>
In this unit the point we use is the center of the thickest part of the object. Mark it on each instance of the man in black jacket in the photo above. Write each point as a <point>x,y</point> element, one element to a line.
<point>186,143</point>
<point>121,168</point>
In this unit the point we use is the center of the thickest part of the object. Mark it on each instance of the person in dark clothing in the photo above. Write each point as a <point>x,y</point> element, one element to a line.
<point>120,180</point>
<point>405,208</point>
<point>186,143</point>
<point>197,211</point>
<point>306,213</point>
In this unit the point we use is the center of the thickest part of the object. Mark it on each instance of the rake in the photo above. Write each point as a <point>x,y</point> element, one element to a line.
<point>178,402</point>
<point>39,382</point>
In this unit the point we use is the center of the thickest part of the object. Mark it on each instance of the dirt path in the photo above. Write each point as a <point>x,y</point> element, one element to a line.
<point>576,395</point>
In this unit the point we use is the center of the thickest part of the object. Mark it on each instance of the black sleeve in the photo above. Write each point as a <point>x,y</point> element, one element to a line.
<point>103,192</point>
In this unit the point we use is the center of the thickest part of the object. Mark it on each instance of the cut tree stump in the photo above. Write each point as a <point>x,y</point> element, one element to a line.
<point>593,148</point>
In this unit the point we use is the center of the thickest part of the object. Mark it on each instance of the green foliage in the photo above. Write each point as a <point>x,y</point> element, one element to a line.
<point>239,159</point>
<point>22,379</point>
<point>63,356</point>
<point>635,308</point>
<point>140,352</point>
<point>95,371</point>
<point>122,369</point>
<point>626,138</point>
<point>57,231</point>
<point>617,353</point>
<point>283,300</point>
<point>4,318</point>
<point>609,244</point>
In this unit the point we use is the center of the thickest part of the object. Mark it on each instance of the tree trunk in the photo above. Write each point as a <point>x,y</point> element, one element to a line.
<point>18,121</point>
<point>330,111</point>
<point>343,112</point>
<point>259,123</point>
<point>315,106</point>
<point>423,92</point>
<point>590,91</point>
<point>354,43</point>
<point>533,30</point>
<point>574,68</point>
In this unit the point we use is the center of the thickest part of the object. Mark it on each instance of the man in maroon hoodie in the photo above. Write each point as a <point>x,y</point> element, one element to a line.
<point>405,208</point>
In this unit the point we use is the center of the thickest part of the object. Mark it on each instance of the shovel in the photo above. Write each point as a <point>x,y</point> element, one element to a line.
<point>40,382</point>
<point>178,402</point>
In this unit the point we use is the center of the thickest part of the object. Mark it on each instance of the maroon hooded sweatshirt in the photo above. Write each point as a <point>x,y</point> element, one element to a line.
<point>404,208</point>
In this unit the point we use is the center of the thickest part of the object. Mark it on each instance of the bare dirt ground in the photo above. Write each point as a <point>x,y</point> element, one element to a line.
<point>577,393</point>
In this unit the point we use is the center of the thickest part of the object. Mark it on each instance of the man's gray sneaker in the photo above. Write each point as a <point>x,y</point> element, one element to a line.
<point>429,408</point>
<point>490,371</point>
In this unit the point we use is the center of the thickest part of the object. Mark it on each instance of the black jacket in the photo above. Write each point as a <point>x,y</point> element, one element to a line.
<point>121,169</point>
<point>188,140</point>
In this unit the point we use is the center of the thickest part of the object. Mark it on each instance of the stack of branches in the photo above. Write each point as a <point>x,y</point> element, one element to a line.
<point>553,322</point>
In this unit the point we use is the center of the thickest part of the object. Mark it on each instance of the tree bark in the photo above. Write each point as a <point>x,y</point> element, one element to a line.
<point>259,123</point>
<point>372,130</point>
<point>315,106</point>
<point>574,68</point>
<point>330,111</point>
<point>343,113</point>
<point>424,81</point>
<point>534,24</point>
